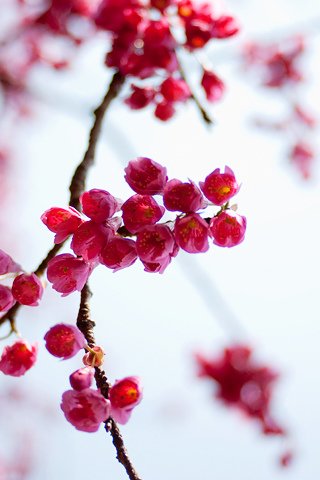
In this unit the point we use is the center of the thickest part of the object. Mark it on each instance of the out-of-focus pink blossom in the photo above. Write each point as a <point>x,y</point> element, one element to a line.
<point>64,340</point>
<point>212,85</point>
<point>191,233</point>
<point>175,90</point>
<point>67,273</point>
<point>6,299</point>
<point>7,265</point>
<point>302,157</point>
<point>124,395</point>
<point>242,383</point>
<point>27,289</point>
<point>145,176</point>
<point>85,409</point>
<point>18,358</point>
<point>164,110</point>
<point>228,229</point>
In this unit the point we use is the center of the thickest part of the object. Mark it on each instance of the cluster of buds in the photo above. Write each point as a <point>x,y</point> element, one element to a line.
<point>84,407</point>
<point>279,68</point>
<point>103,237</point>
<point>145,46</point>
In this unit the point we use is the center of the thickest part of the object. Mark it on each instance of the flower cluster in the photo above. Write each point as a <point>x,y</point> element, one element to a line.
<point>84,407</point>
<point>242,383</point>
<point>279,68</point>
<point>103,236</point>
<point>145,45</point>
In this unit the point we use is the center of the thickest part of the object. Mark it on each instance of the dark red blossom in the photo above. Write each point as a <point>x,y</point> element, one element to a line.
<point>139,211</point>
<point>242,383</point>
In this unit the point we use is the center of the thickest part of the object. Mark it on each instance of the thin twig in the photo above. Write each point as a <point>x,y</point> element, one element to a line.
<point>86,325</point>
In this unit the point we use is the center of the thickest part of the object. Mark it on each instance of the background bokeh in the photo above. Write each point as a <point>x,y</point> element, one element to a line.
<point>263,293</point>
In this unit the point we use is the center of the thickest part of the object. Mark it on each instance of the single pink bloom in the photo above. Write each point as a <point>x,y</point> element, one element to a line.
<point>145,176</point>
<point>302,157</point>
<point>99,205</point>
<point>286,459</point>
<point>67,273</point>
<point>62,221</point>
<point>27,289</point>
<point>156,244</point>
<point>89,239</point>
<point>139,211</point>
<point>212,85</point>
<point>220,187</point>
<point>225,27</point>
<point>198,33</point>
<point>124,395</point>
<point>191,233</point>
<point>119,253</point>
<point>64,341</point>
<point>95,359</point>
<point>182,197</point>
<point>6,299</point>
<point>175,90</point>
<point>7,265</point>
<point>82,378</point>
<point>18,358</point>
<point>228,229</point>
<point>164,111</point>
<point>140,98</point>
<point>86,409</point>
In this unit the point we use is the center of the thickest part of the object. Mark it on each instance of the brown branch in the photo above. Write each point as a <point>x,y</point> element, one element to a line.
<point>85,325</point>
<point>78,181</point>
<point>77,185</point>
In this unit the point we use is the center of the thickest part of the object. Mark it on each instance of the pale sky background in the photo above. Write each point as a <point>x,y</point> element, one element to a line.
<point>150,324</point>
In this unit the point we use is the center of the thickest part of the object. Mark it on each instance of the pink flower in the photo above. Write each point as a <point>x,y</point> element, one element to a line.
<point>228,229</point>
<point>89,239</point>
<point>124,395</point>
<point>95,357</point>
<point>302,157</point>
<point>175,90</point>
<point>64,341</point>
<point>67,273</point>
<point>139,211</point>
<point>18,358</point>
<point>119,253</point>
<point>242,383</point>
<point>99,205</point>
<point>145,176</point>
<point>7,265</point>
<point>140,98</point>
<point>191,233</point>
<point>212,85</point>
<point>82,378</point>
<point>164,111</point>
<point>184,197</point>
<point>220,187</point>
<point>85,410</point>
<point>27,289</point>
<point>156,245</point>
<point>62,221</point>
<point>224,27</point>
<point>6,299</point>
